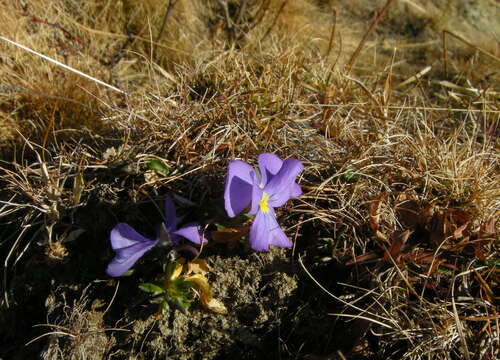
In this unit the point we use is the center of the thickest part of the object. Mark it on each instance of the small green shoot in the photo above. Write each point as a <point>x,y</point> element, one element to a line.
<point>158,166</point>
<point>179,285</point>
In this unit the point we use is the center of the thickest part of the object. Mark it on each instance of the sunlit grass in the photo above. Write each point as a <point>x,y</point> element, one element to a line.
<point>412,128</point>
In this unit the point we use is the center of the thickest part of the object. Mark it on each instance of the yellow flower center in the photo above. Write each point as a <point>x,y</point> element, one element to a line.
<point>264,207</point>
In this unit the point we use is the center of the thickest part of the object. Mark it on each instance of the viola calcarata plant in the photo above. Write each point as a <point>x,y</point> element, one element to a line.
<point>254,192</point>
<point>130,246</point>
<point>180,284</point>
<point>181,281</point>
<point>261,192</point>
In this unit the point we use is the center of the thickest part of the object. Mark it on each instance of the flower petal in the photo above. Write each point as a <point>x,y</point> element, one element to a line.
<point>238,189</point>
<point>260,236</point>
<point>266,231</point>
<point>283,186</point>
<point>170,214</point>
<point>129,246</point>
<point>280,239</point>
<point>123,236</point>
<point>256,197</point>
<point>190,232</point>
<point>126,257</point>
<point>295,191</point>
<point>269,165</point>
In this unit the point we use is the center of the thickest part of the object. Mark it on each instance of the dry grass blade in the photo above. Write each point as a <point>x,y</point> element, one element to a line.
<point>58,63</point>
<point>373,317</point>
<point>361,44</point>
<point>414,78</point>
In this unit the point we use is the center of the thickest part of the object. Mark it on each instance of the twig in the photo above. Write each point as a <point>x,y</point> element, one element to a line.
<point>57,26</point>
<point>78,72</point>
<point>445,52</point>
<point>170,6</point>
<point>241,11</point>
<point>275,20</point>
<point>112,299</point>
<point>332,34</point>
<point>414,77</point>
<point>458,37</point>
<point>361,44</point>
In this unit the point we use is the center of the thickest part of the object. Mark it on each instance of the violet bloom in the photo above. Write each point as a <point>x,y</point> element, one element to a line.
<point>275,186</point>
<point>129,245</point>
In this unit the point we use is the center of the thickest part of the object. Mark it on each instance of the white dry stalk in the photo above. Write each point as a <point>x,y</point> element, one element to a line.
<point>54,61</point>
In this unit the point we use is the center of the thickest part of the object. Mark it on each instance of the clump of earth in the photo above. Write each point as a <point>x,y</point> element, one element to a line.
<point>257,290</point>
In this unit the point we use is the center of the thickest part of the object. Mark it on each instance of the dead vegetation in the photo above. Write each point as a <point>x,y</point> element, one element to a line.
<point>394,114</point>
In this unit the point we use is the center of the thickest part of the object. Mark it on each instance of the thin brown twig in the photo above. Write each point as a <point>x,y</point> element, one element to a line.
<point>170,6</point>
<point>260,14</point>
<point>332,34</point>
<point>241,11</point>
<point>283,4</point>
<point>361,44</point>
<point>445,56</point>
<point>57,26</point>
<point>458,37</point>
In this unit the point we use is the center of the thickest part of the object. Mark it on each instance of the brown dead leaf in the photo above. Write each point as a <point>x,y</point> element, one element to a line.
<point>459,220</point>
<point>381,236</point>
<point>449,223</point>
<point>488,293</point>
<point>420,258</point>
<point>458,233</point>
<point>409,211</point>
<point>485,237</point>
<point>398,240</point>
<point>230,236</point>
<point>366,258</point>
<point>458,247</point>
<point>435,266</point>
<point>488,228</point>
<point>375,206</point>
<point>436,227</point>
<point>478,251</point>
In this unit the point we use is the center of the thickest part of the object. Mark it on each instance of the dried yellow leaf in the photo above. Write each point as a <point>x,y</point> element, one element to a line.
<point>216,306</point>
<point>205,293</point>
<point>198,266</point>
<point>202,285</point>
<point>177,272</point>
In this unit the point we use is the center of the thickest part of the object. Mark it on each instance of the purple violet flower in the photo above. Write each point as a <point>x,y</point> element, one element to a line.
<point>129,245</point>
<point>274,188</point>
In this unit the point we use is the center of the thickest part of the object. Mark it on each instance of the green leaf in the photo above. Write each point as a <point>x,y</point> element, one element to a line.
<point>158,166</point>
<point>220,227</point>
<point>180,303</point>
<point>153,289</point>
<point>180,287</point>
<point>129,272</point>
<point>350,174</point>
<point>165,308</point>
<point>492,262</point>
